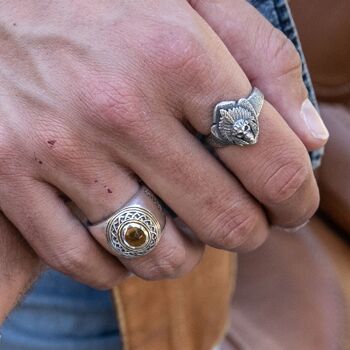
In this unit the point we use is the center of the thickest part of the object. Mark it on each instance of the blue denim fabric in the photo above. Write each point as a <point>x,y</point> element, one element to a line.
<point>62,314</point>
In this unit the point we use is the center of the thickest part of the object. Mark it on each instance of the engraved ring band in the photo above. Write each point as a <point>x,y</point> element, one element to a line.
<point>135,229</point>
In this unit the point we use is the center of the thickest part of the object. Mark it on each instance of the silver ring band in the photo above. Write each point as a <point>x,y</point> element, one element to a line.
<point>135,229</point>
<point>237,122</point>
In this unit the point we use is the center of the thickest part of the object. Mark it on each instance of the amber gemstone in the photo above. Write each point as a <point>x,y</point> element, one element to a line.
<point>135,236</point>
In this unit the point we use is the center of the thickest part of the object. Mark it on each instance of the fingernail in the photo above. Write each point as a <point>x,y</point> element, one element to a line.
<point>313,121</point>
<point>292,229</point>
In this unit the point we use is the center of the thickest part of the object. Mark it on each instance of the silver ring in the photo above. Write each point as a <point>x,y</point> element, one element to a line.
<point>135,229</point>
<point>236,122</point>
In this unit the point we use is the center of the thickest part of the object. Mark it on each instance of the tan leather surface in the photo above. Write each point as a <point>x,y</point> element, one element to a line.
<point>324,28</point>
<point>288,296</point>
<point>340,254</point>
<point>190,313</point>
<point>334,174</point>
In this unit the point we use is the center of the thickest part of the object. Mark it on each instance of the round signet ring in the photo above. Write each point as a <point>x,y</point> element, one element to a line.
<point>135,229</point>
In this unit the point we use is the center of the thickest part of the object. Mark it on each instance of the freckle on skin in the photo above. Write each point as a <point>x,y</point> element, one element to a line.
<point>51,142</point>
<point>37,160</point>
<point>96,181</point>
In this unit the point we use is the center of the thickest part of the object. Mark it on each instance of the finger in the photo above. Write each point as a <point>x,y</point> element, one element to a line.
<point>280,173</point>
<point>190,181</point>
<point>276,170</point>
<point>99,189</point>
<point>269,60</point>
<point>58,237</point>
<point>175,255</point>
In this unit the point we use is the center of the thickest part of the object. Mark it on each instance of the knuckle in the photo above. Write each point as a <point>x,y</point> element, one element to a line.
<point>232,228</point>
<point>71,261</point>
<point>305,211</point>
<point>75,263</point>
<point>117,108</point>
<point>181,52</point>
<point>286,180</point>
<point>286,58</point>
<point>167,264</point>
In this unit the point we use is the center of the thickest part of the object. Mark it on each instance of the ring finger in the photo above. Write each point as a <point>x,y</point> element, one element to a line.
<point>102,189</point>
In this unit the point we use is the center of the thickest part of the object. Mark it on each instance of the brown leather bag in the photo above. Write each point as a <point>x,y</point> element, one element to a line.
<point>183,314</point>
<point>324,29</point>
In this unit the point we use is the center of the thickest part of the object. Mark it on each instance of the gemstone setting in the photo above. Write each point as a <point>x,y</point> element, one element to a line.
<point>135,235</point>
<point>133,231</point>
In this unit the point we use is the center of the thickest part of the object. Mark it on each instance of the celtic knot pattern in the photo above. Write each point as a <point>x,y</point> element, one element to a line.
<point>130,215</point>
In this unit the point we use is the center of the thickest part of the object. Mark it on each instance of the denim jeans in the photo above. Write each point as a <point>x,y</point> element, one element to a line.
<point>60,313</point>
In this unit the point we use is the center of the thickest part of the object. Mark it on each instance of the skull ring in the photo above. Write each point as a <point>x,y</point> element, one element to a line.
<point>236,122</point>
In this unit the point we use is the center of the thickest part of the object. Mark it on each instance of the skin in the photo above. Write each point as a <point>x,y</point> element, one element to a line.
<point>95,98</point>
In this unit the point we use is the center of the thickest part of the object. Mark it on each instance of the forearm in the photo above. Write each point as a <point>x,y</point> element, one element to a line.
<point>19,267</point>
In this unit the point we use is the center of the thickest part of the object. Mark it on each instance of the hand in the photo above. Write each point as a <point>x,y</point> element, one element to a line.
<point>93,97</point>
